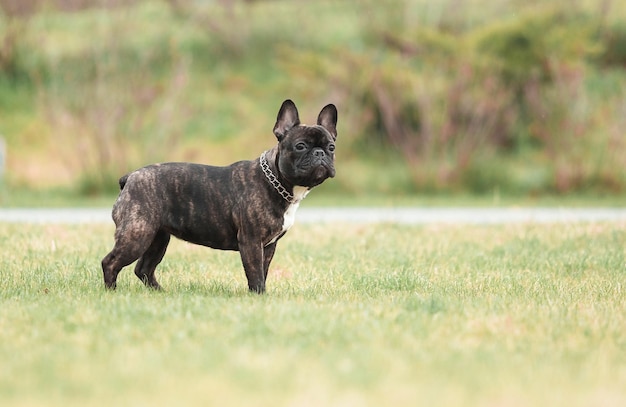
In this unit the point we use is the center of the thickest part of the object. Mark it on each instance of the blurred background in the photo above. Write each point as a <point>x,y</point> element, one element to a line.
<point>516,98</point>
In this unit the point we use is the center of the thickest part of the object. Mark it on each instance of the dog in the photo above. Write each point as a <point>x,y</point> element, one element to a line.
<point>246,206</point>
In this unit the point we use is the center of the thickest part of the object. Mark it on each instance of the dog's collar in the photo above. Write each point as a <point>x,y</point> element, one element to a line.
<point>287,196</point>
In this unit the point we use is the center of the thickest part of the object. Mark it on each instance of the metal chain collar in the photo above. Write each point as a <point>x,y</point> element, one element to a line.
<point>274,181</point>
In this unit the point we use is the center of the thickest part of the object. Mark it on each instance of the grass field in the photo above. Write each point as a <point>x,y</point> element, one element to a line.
<point>325,196</point>
<point>515,315</point>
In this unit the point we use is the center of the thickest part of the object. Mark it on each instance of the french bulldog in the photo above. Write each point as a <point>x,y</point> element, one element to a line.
<point>246,206</point>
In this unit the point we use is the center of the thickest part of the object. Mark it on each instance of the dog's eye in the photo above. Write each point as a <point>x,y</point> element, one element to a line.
<point>331,148</point>
<point>301,146</point>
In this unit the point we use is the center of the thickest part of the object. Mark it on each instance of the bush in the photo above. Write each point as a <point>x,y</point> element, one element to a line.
<point>461,96</point>
<point>455,104</point>
<point>614,52</point>
<point>115,109</point>
<point>13,62</point>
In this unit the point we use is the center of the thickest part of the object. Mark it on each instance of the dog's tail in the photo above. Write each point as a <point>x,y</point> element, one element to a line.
<point>122,181</point>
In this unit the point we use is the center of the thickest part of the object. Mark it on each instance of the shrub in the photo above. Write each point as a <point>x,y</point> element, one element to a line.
<point>455,104</point>
<point>518,97</point>
<point>614,39</point>
<point>115,109</point>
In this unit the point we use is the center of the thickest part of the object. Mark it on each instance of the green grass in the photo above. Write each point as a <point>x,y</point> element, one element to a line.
<point>328,194</point>
<point>354,315</point>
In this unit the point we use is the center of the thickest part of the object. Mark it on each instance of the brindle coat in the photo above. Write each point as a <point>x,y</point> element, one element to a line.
<point>229,208</point>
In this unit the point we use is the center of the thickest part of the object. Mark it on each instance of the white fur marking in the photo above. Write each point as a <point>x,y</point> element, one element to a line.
<point>290,214</point>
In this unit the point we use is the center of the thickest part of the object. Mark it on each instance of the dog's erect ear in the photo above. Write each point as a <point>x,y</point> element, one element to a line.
<point>287,118</point>
<point>328,119</point>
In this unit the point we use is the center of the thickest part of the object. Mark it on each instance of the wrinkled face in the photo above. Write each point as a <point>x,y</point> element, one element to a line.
<point>307,155</point>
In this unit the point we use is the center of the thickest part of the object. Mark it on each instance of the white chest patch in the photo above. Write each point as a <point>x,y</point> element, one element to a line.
<point>290,214</point>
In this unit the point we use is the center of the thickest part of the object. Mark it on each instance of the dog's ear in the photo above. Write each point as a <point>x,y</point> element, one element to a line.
<point>287,118</point>
<point>328,119</point>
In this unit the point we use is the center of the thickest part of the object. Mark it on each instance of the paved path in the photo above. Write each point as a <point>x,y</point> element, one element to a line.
<point>360,215</point>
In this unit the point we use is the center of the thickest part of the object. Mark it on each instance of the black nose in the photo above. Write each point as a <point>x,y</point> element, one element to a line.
<point>319,153</point>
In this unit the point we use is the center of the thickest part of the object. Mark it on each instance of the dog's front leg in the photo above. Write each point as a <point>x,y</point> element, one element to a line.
<point>251,252</point>
<point>268,255</point>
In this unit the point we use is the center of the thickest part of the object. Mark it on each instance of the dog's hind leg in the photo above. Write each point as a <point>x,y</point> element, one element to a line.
<point>130,244</point>
<point>147,263</point>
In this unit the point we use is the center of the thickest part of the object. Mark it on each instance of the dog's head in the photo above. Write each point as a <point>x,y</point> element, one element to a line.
<point>306,154</point>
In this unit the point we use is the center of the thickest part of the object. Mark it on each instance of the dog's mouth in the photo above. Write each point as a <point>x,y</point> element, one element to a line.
<point>317,173</point>
<point>325,170</point>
